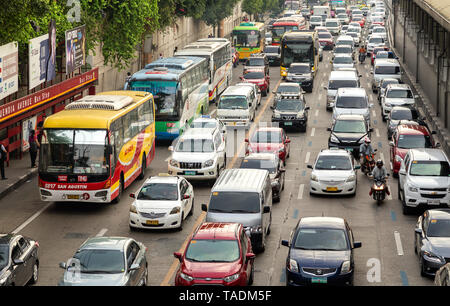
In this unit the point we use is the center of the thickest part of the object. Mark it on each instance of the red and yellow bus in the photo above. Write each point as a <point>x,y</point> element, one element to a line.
<point>96,147</point>
<point>284,25</point>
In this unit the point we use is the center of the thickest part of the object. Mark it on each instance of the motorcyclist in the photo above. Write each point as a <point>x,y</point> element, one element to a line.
<point>379,173</point>
<point>362,54</point>
<point>366,148</point>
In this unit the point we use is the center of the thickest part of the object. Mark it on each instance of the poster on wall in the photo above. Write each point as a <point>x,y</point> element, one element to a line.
<point>28,125</point>
<point>38,54</point>
<point>75,48</point>
<point>9,69</point>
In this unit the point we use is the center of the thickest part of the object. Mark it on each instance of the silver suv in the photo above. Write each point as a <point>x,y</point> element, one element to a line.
<point>397,95</point>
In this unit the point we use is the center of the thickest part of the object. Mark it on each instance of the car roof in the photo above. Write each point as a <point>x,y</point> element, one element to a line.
<point>350,117</point>
<point>237,90</point>
<point>342,55</point>
<point>205,119</point>
<point>162,179</point>
<point>217,230</point>
<point>322,222</point>
<point>410,129</point>
<point>352,91</point>
<point>398,86</point>
<point>387,61</point>
<point>428,154</point>
<point>390,80</point>
<point>106,243</point>
<point>345,37</point>
<point>440,213</point>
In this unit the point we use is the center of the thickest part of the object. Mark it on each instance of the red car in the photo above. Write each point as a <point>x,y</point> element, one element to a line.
<point>405,137</point>
<point>258,77</point>
<point>270,139</point>
<point>217,254</point>
<point>235,56</point>
<point>326,40</point>
<point>375,50</point>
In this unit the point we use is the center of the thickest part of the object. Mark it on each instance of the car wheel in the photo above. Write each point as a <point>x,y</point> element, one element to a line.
<point>143,168</point>
<point>35,276</point>
<point>192,209</point>
<point>422,267</point>
<point>251,277</point>
<point>405,209</point>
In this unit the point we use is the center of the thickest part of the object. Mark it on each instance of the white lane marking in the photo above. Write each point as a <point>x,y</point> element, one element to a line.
<point>374,114</point>
<point>313,131</point>
<point>398,242</point>
<point>326,66</point>
<point>213,112</point>
<point>317,113</point>
<point>30,219</point>
<point>102,232</point>
<point>307,157</point>
<point>300,191</point>
<point>320,97</point>
<point>377,132</point>
<point>382,157</point>
<point>390,195</point>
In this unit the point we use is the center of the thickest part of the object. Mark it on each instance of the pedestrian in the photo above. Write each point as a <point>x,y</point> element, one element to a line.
<point>160,56</point>
<point>34,146</point>
<point>175,50</point>
<point>3,154</point>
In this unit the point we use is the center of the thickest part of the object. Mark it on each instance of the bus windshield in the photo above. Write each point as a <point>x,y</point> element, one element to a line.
<point>246,38</point>
<point>71,151</point>
<point>297,53</point>
<point>164,93</point>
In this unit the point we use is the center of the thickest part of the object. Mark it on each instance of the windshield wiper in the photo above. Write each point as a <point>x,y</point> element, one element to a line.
<point>240,211</point>
<point>100,272</point>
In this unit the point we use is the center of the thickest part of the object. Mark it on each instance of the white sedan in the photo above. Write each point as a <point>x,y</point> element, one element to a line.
<point>333,173</point>
<point>162,202</point>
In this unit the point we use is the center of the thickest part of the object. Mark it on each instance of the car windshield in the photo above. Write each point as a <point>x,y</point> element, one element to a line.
<point>321,239</point>
<point>195,145</point>
<point>315,19</point>
<point>351,102</point>
<point>349,126</point>
<point>379,30</point>
<point>399,93</point>
<point>254,75</point>
<point>387,70</point>
<point>299,69</point>
<point>342,16</point>
<point>356,19</point>
<point>272,50</point>
<point>430,168</point>
<point>403,114</point>
<point>343,60</point>
<point>266,164</point>
<point>414,141</point>
<point>266,137</point>
<point>203,125</point>
<point>294,105</point>
<point>384,84</point>
<point>329,162</point>
<point>323,35</point>
<point>353,30</point>
<point>255,62</point>
<point>287,88</point>
<point>100,261</point>
<point>352,34</point>
<point>212,250</point>
<point>376,40</point>
<point>235,202</point>
<point>233,102</point>
<point>159,192</point>
<point>439,228</point>
<point>331,24</point>
<point>343,49</point>
<point>4,255</point>
<point>336,84</point>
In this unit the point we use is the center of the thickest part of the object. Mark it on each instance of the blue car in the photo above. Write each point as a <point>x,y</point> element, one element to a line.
<point>320,252</point>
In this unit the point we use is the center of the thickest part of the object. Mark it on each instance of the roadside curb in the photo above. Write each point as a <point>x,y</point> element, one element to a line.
<point>18,183</point>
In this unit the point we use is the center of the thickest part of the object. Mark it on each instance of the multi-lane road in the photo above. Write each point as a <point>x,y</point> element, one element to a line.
<point>386,257</point>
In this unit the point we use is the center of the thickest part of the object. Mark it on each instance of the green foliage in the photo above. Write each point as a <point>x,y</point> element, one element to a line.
<point>216,10</point>
<point>252,7</point>
<point>190,8</point>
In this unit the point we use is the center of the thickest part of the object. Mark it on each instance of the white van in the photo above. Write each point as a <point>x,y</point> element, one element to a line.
<point>333,25</point>
<point>345,40</point>
<point>340,79</point>
<point>385,68</point>
<point>237,106</point>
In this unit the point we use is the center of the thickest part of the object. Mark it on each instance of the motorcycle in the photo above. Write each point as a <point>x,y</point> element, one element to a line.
<point>368,164</point>
<point>362,57</point>
<point>379,190</point>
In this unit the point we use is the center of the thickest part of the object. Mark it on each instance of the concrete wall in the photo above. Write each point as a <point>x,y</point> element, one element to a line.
<point>184,31</point>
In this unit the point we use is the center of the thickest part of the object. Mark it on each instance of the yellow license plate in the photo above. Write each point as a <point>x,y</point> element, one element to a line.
<point>332,189</point>
<point>152,222</point>
<point>73,197</point>
<point>234,123</point>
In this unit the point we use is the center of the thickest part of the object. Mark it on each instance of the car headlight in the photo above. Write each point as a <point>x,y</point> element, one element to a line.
<point>133,208</point>
<point>432,257</point>
<point>209,163</point>
<point>255,229</point>
<point>293,266</point>
<point>351,178</point>
<point>173,163</point>
<point>175,210</point>
<point>231,278</point>
<point>276,114</point>
<point>413,189</point>
<point>314,177</point>
<point>186,277</point>
<point>300,114</point>
<point>346,267</point>
<point>334,139</point>
<point>398,159</point>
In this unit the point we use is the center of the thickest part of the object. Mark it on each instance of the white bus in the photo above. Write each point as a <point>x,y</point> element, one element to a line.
<point>218,53</point>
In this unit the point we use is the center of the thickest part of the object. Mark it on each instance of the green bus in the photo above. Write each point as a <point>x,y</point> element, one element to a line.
<point>248,38</point>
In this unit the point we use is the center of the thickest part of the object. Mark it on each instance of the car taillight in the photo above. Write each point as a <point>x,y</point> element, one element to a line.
<point>36,244</point>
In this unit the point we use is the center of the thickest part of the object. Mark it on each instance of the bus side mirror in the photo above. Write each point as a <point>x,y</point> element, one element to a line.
<point>109,150</point>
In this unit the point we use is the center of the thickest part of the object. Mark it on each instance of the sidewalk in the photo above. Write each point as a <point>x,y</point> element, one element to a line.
<point>18,172</point>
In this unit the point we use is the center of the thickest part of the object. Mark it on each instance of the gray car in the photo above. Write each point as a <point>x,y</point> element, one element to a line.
<point>107,261</point>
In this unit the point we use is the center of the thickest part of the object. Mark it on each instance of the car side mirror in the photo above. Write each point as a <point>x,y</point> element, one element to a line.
<point>170,148</point>
<point>371,130</point>
<point>18,262</point>
<point>375,150</point>
<point>282,170</point>
<point>402,172</point>
<point>433,133</point>
<point>274,92</point>
<point>309,166</point>
<point>250,256</point>
<point>288,141</point>
<point>357,244</point>
<point>242,78</point>
<point>326,88</point>
<point>249,105</point>
<point>177,255</point>
<point>416,96</point>
<point>63,265</point>
<point>266,209</point>
<point>307,108</point>
<point>285,243</point>
<point>418,231</point>
<point>132,195</point>
<point>204,207</point>
<point>246,139</point>
<point>391,143</point>
<point>357,167</point>
<point>370,105</point>
<point>331,104</point>
<point>272,107</point>
<point>329,129</point>
<point>437,145</point>
<point>134,267</point>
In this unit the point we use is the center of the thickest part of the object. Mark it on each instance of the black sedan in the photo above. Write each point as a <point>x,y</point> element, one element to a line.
<point>273,54</point>
<point>320,252</point>
<point>291,112</point>
<point>19,262</point>
<point>432,240</point>
<point>348,132</point>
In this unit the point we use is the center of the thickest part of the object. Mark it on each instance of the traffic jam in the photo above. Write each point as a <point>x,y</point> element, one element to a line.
<point>293,153</point>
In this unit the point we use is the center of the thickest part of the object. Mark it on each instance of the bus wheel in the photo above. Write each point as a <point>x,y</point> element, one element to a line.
<point>143,167</point>
<point>117,199</point>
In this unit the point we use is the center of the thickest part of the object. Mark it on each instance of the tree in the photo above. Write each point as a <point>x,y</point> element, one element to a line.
<point>216,10</point>
<point>252,7</point>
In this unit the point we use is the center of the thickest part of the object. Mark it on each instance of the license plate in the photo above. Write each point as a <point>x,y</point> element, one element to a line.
<point>73,197</point>
<point>152,222</point>
<point>433,202</point>
<point>190,172</point>
<point>317,280</point>
<point>332,189</point>
<point>287,123</point>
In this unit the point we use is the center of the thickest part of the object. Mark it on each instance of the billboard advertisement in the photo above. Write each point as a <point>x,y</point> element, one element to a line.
<point>38,54</point>
<point>75,48</point>
<point>9,69</point>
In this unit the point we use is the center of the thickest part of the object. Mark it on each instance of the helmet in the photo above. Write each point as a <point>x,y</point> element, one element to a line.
<point>379,163</point>
<point>367,139</point>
